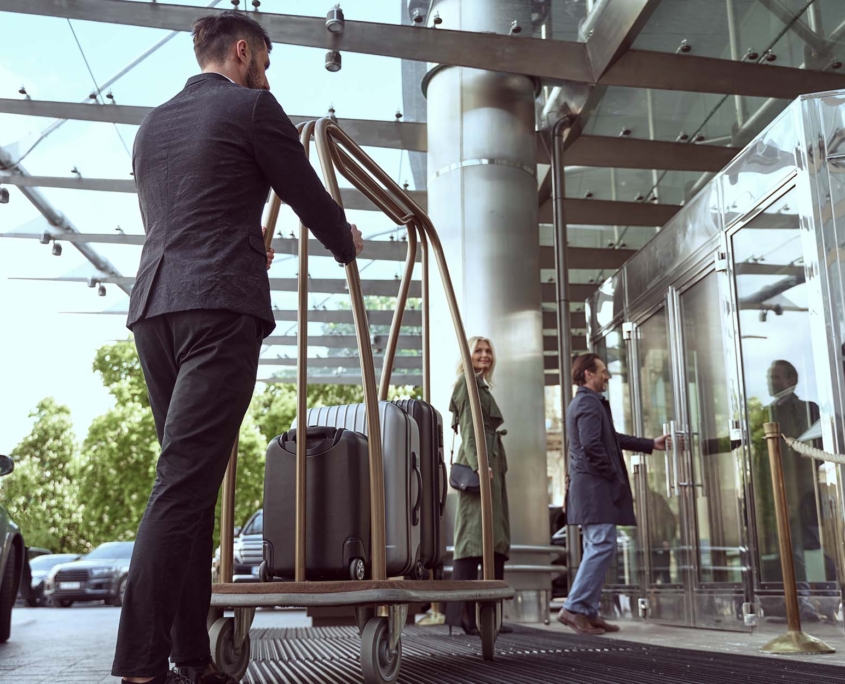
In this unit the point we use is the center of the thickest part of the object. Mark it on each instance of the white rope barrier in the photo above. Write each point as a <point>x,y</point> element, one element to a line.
<point>811,452</point>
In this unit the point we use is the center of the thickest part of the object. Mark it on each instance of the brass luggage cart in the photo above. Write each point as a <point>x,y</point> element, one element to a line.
<point>380,604</point>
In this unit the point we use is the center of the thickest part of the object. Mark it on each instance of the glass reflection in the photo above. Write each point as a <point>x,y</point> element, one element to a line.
<point>780,387</point>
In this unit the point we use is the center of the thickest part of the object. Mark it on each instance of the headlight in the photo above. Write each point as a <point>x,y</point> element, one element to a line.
<point>101,572</point>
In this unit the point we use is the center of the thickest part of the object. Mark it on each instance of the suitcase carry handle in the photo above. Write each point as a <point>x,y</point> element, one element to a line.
<point>318,439</point>
<point>443,486</point>
<point>338,150</point>
<point>415,515</point>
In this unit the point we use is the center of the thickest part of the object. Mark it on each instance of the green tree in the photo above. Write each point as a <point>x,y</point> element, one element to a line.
<point>41,493</point>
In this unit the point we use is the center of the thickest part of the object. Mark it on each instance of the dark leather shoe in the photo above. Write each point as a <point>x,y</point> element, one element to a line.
<point>209,674</point>
<point>580,623</point>
<point>469,630</point>
<point>601,623</point>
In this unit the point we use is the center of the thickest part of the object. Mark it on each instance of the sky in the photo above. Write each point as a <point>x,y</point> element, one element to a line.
<point>44,349</point>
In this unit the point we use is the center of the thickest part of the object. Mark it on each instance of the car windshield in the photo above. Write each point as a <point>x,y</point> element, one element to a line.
<point>112,550</point>
<point>47,562</point>
<point>256,525</point>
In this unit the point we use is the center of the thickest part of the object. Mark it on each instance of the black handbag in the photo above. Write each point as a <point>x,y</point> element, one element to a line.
<point>462,477</point>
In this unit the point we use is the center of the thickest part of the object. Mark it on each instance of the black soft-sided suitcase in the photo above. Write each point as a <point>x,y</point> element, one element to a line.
<point>433,467</point>
<point>337,519</point>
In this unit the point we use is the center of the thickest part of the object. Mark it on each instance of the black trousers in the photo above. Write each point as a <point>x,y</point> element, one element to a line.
<point>200,368</point>
<point>469,569</point>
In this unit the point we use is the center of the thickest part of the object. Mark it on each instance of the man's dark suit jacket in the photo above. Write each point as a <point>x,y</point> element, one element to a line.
<point>599,489</point>
<point>204,163</point>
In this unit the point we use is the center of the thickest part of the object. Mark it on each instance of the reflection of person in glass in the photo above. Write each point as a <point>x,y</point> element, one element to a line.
<point>599,495</point>
<point>794,415</point>
<point>663,526</point>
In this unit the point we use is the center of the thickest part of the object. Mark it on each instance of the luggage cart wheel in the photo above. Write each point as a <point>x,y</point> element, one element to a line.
<point>357,570</point>
<point>231,660</point>
<point>378,664</point>
<point>487,620</point>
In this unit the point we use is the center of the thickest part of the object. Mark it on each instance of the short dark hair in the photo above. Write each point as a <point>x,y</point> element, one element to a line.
<point>791,371</point>
<point>580,365</point>
<point>215,33</point>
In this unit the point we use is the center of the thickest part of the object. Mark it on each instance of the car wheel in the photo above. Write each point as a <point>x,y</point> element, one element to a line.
<point>62,603</point>
<point>121,593</point>
<point>8,593</point>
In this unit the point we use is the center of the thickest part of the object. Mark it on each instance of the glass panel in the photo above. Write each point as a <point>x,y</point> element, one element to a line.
<point>780,386</point>
<point>658,408</point>
<point>718,492</point>
<point>614,350</point>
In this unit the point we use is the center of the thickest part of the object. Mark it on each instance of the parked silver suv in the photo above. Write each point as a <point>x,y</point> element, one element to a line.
<point>248,550</point>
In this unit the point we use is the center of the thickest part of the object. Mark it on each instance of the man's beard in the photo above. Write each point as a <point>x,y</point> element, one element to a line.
<point>254,79</point>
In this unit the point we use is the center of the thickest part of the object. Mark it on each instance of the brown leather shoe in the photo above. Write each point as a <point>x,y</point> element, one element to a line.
<point>601,623</point>
<point>580,623</point>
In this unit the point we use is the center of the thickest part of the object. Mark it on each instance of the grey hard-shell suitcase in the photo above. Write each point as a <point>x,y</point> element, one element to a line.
<point>433,468</point>
<point>402,477</point>
<point>337,540</point>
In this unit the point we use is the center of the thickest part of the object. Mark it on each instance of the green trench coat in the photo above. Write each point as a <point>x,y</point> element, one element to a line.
<point>468,518</point>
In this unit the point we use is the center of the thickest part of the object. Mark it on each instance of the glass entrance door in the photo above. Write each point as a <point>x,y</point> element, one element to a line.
<point>694,533</point>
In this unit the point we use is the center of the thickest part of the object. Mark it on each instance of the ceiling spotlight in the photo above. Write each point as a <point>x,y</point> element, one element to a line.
<point>92,282</point>
<point>699,138</point>
<point>588,194</point>
<point>110,96</point>
<point>22,91</point>
<point>235,3</point>
<point>398,115</point>
<point>256,4</point>
<point>75,172</point>
<point>333,61</point>
<point>682,137</point>
<point>4,196</point>
<point>332,116</point>
<point>57,249</point>
<point>639,198</point>
<point>751,55</point>
<point>101,290</point>
<point>835,63</point>
<point>437,19</point>
<point>45,239</point>
<point>515,28</point>
<point>684,47</point>
<point>335,21</point>
<point>417,17</point>
<point>625,131</point>
<point>770,56</point>
<point>92,95</point>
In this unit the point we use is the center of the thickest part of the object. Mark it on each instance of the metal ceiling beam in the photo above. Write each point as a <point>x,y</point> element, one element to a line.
<point>816,43</point>
<point>635,153</point>
<point>668,71</point>
<point>588,258</point>
<point>591,212</point>
<point>368,133</point>
<point>612,27</point>
<point>552,60</point>
<point>542,58</point>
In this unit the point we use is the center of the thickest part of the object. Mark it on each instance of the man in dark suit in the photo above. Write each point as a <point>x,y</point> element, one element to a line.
<point>599,495</point>
<point>204,163</point>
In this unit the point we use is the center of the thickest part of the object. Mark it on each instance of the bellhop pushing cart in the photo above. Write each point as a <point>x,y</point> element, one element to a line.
<point>380,604</point>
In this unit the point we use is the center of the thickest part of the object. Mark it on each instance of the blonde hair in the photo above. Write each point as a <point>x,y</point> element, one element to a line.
<point>472,342</point>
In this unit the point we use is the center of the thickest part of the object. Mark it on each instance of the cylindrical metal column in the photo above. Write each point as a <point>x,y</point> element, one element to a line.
<point>482,197</point>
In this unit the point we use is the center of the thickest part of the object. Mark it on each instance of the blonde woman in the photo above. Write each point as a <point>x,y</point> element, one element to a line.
<point>467,556</point>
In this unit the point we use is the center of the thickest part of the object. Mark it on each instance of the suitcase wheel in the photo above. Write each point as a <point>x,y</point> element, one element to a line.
<point>357,569</point>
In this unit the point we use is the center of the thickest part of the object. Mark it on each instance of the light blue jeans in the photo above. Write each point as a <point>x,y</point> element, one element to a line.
<point>599,547</point>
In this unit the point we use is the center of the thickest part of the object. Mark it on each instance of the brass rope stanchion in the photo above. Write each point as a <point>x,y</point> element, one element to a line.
<point>794,641</point>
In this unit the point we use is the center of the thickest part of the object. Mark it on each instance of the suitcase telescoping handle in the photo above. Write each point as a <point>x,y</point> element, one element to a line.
<point>338,151</point>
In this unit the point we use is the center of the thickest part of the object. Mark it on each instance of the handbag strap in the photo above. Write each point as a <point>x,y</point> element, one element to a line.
<point>452,455</point>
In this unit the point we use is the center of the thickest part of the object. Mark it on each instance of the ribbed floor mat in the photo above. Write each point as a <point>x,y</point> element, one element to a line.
<point>330,655</point>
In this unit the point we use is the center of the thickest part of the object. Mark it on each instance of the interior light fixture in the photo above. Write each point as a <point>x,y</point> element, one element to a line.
<point>4,196</point>
<point>335,21</point>
<point>515,29</point>
<point>101,290</point>
<point>45,238</point>
<point>333,61</point>
<point>92,282</point>
<point>437,19</point>
<point>57,249</point>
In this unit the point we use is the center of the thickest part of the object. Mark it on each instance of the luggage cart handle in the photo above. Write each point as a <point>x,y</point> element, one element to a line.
<point>335,146</point>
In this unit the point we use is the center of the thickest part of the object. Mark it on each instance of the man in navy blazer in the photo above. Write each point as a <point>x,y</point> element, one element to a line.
<point>204,164</point>
<point>599,494</point>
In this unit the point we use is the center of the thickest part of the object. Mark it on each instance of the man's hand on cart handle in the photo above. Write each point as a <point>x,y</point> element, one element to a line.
<point>272,253</point>
<point>357,239</point>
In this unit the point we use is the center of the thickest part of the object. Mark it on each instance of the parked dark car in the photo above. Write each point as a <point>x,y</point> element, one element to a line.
<point>98,576</point>
<point>248,550</point>
<point>40,567</point>
<point>11,560</point>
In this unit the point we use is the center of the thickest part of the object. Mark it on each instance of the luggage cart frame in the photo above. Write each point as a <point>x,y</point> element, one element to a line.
<point>380,605</point>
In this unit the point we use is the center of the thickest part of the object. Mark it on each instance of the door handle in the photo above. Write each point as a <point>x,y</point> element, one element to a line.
<point>673,432</point>
<point>667,430</point>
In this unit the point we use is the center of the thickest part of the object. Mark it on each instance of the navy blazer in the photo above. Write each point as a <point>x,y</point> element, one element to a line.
<point>204,163</point>
<point>599,488</point>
